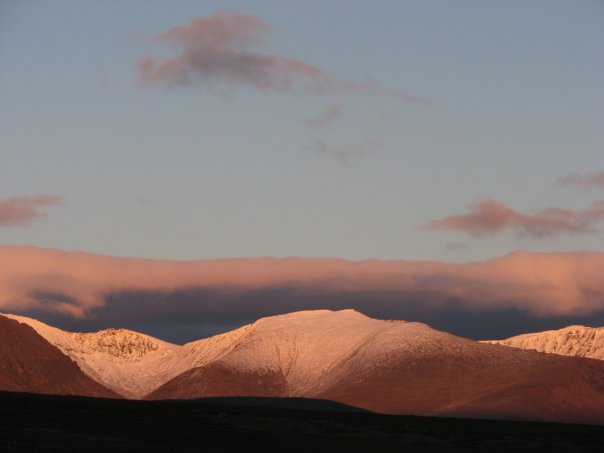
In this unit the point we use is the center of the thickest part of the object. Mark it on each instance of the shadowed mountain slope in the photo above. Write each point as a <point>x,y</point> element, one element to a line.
<point>29,363</point>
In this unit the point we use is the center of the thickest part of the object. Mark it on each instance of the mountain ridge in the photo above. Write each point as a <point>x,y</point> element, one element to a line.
<point>397,367</point>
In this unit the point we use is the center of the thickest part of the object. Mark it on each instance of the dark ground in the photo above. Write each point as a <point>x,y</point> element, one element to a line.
<point>64,423</point>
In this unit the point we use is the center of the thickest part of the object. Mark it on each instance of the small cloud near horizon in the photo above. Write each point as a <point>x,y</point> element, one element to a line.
<point>489,217</point>
<point>223,50</point>
<point>593,179</point>
<point>21,211</point>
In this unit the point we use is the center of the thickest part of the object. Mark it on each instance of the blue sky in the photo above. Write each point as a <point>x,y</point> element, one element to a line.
<point>513,100</point>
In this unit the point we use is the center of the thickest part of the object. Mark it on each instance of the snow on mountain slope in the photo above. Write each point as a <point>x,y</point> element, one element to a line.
<point>576,341</point>
<point>394,367</point>
<point>301,347</point>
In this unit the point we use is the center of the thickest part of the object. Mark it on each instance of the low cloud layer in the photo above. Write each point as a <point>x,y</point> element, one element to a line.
<point>88,286</point>
<point>222,51</point>
<point>21,211</point>
<point>595,179</point>
<point>491,217</point>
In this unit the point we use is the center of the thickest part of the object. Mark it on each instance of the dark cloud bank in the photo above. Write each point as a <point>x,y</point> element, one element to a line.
<point>189,315</point>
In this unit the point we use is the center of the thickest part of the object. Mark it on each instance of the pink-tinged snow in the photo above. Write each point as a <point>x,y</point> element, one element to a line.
<point>579,341</point>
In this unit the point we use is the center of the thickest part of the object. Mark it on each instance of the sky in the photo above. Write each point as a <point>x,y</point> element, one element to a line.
<point>450,132</point>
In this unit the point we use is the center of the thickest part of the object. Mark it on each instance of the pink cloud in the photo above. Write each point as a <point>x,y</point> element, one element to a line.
<point>595,179</point>
<point>77,284</point>
<point>222,50</point>
<point>21,211</point>
<point>490,217</point>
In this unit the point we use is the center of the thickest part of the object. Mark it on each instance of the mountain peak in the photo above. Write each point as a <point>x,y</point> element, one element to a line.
<point>575,340</point>
<point>119,342</point>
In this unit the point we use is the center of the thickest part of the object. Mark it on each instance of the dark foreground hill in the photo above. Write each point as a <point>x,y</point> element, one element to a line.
<point>66,423</point>
<point>29,363</point>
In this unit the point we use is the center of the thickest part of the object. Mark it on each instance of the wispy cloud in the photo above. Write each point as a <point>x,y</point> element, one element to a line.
<point>21,211</point>
<point>222,50</point>
<point>331,114</point>
<point>491,217</point>
<point>344,153</point>
<point>594,179</point>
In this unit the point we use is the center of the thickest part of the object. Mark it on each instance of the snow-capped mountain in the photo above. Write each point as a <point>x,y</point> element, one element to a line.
<point>386,366</point>
<point>579,341</point>
<point>394,367</point>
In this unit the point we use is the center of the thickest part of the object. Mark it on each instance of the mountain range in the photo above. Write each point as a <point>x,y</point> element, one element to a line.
<point>394,367</point>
